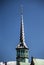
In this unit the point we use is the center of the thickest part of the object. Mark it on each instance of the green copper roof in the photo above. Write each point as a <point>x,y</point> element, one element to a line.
<point>38,61</point>
<point>22,63</point>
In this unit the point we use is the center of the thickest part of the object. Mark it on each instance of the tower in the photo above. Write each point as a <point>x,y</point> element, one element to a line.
<point>22,49</point>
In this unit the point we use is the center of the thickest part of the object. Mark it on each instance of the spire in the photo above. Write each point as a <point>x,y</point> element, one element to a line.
<point>22,43</point>
<point>22,39</point>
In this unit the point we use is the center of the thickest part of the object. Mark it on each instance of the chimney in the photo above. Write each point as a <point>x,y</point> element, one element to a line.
<point>32,62</point>
<point>5,63</point>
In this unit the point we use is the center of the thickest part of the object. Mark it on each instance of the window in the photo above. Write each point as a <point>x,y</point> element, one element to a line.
<point>22,52</point>
<point>18,52</point>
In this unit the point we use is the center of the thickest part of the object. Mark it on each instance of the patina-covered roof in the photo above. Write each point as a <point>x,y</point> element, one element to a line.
<point>38,61</point>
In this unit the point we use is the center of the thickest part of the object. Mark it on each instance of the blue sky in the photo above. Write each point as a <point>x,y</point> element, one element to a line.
<point>33,12</point>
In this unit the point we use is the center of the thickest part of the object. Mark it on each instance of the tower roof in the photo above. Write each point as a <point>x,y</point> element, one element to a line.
<point>22,43</point>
